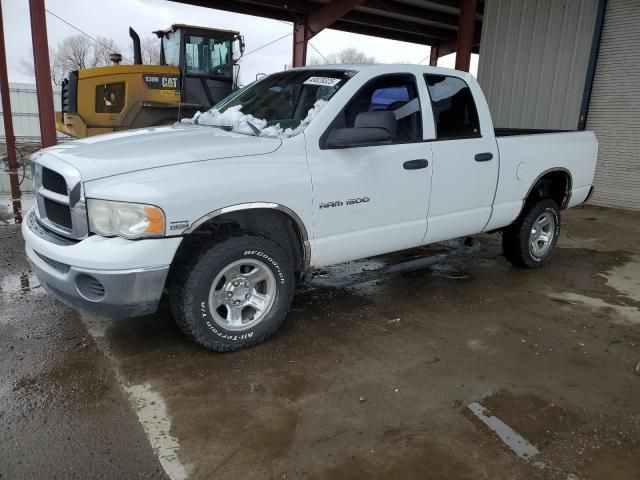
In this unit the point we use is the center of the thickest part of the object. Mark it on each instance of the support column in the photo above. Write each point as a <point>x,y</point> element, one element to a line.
<point>466,25</point>
<point>433,56</point>
<point>314,22</point>
<point>43,72</point>
<point>299,44</point>
<point>8,128</point>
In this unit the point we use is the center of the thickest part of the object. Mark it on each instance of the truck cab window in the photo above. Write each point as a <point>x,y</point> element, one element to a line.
<point>393,93</point>
<point>454,110</point>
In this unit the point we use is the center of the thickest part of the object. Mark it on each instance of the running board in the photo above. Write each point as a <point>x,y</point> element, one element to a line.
<point>336,283</point>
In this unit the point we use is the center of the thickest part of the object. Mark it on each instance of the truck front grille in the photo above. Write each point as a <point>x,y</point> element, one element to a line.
<point>60,205</point>
<point>58,213</point>
<point>53,181</point>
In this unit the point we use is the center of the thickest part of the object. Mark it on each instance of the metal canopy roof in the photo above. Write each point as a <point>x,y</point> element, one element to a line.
<point>425,22</point>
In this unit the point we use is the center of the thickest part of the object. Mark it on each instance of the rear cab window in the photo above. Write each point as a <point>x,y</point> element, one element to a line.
<point>454,109</point>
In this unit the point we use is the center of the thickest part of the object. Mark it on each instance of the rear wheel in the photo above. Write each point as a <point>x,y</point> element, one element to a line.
<point>233,294</point>
<point>530,241</point>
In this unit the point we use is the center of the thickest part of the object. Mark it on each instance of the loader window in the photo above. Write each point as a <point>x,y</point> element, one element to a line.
<point>171,46</point>
<point>110,98</point>
<point>454,109</point>
<point>208,56</point>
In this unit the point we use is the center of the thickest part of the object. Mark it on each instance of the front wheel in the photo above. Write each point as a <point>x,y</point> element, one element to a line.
<point>531,239</point>
<point>233,294</point>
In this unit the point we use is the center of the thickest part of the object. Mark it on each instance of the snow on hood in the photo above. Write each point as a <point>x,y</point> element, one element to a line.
<point>239,122</point>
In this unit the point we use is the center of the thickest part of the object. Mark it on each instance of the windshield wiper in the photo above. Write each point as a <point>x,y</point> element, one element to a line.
<point>226,128</point>
<point>229,128</point>
<point>255,129</point>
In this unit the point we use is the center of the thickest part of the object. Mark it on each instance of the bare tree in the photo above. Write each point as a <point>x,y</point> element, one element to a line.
<point>346,55</point>
<point>150,47</point>
<point>74,53</point>
<point>102,51</point>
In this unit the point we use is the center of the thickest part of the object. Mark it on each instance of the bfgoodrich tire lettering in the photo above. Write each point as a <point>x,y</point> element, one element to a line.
<point>192,289</point>
<point>530,241</point>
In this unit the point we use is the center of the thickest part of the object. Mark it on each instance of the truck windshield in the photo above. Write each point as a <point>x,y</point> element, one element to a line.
<point>281,104</point>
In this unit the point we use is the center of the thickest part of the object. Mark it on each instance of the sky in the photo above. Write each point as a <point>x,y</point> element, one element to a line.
<point>111,18</point>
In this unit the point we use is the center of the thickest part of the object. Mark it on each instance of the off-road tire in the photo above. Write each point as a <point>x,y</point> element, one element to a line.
<point>192,280</point>
<point>516,238</point>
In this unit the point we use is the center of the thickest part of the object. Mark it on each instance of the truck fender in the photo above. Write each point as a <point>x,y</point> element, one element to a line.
<point>302,229</point>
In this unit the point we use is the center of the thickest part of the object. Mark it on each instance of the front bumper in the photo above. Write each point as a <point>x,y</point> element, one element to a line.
<point>117,293</point>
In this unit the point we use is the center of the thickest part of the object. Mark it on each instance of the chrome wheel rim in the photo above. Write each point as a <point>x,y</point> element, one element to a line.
<point>542,233</point>
<point>242,294</point>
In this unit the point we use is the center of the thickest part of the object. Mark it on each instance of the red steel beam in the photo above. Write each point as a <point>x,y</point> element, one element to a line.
<point>8,128</point>
<point>43,72</point>
<point>329,13</point>
<point>465,34</point>
<point>300,40</point>
<point>433,55</point>
<point>313,23</point>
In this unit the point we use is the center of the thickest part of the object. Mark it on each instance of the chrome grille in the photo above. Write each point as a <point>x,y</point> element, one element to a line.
<point>60,204</point>
<point>58,213</point>
<point>54,181</point>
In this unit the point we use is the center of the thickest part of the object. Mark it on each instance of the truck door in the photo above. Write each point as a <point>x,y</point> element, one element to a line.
<point>465,160</point>
<point>372,199</point>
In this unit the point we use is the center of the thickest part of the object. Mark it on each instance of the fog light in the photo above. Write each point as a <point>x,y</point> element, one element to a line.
<point>90,287</point>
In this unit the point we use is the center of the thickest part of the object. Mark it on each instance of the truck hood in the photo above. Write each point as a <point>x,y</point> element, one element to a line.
<point>129,151</point>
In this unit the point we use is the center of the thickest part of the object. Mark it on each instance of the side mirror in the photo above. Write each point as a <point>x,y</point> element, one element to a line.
<point>369,128</point>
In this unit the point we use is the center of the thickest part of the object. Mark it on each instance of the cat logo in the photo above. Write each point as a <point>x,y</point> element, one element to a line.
<point>169,82</point>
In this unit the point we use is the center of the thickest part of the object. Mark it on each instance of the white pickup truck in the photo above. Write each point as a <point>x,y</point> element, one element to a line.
<point>302,169</point>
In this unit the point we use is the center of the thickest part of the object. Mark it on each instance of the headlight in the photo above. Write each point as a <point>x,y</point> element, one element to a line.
<point>129,220</point>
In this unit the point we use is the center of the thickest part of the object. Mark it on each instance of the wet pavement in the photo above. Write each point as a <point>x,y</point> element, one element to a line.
<point>63,413</point>
<point>471,369</point>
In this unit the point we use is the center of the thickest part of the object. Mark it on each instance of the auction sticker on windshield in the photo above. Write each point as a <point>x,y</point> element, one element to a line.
<point>322,81</point>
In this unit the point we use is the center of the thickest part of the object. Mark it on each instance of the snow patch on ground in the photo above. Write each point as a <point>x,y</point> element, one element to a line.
<point>6,207</point>
<point>152,413</point>
<point>239,122</point>
<point>620,314</point>
<point>626,279</point>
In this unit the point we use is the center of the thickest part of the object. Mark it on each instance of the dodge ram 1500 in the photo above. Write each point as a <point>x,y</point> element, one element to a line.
<point>301,169</point>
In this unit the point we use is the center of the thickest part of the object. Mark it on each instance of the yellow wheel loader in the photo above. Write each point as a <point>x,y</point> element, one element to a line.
<point>198,67</point>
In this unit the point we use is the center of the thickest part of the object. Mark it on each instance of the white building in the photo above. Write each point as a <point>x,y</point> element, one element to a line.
<point>567,64</point>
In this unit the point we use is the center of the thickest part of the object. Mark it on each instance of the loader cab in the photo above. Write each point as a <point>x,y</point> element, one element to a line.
<point>207,59</point>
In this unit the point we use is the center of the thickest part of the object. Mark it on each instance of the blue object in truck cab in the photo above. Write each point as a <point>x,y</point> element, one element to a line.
<point>383,97</point>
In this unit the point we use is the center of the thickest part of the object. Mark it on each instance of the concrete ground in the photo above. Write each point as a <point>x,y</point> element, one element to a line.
<point>472,369</point>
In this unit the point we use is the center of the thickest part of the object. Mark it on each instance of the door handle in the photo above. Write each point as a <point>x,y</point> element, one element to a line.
<point>415,164</point>
<point>484,157</point>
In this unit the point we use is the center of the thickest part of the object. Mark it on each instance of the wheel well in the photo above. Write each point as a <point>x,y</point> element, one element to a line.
<point>273,224</point>
<point>555,185</point>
